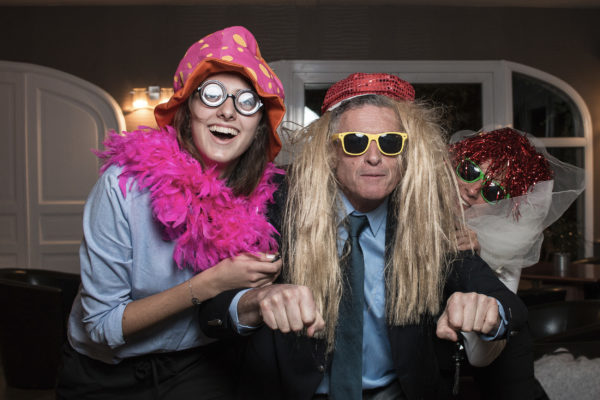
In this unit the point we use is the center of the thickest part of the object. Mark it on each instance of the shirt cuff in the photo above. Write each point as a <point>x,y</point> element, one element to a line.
<point>501,328</point>
<point>233,315</point>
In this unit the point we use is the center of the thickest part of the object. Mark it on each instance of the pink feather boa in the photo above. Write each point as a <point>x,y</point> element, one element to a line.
<point>194,207</point>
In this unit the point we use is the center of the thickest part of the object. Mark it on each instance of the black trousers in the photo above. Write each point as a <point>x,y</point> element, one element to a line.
<point>202,373</point>
<point>393,391</point>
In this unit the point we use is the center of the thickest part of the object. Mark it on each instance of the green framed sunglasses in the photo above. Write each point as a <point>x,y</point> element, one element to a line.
<point>491,191</point>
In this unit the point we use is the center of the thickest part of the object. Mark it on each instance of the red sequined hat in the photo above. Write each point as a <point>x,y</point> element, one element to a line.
<point>361,84</point>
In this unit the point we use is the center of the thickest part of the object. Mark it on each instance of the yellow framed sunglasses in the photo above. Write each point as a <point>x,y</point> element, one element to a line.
<point>357,143</point>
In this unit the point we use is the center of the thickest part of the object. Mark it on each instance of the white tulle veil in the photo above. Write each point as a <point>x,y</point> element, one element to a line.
<point>510,232</point>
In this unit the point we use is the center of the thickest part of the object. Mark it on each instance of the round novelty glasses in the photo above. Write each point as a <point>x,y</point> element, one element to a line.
<point>214,93</point>
<point>491,191</point>
<point>357,143</point>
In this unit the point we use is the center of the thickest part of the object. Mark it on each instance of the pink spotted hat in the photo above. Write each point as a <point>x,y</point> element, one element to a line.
<point>232,49</point>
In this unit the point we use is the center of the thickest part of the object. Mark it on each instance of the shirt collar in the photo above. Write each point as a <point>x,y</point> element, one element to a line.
<point>376,217</point>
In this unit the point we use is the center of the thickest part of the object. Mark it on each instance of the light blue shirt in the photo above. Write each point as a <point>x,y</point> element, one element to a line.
<point>378,366</point>
<point>124,258</point>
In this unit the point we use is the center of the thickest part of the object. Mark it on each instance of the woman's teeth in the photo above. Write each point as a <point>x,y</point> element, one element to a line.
<point>223,132</point>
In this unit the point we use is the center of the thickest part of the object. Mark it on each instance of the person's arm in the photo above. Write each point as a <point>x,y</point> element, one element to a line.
<point>281,307</point>
<point>245,270</point>
<point>481,353</point>
<point>468,312</point>
<point>288,308</point>
<point>215,315</point>
<point>474,304</point>
<point>106,255</point>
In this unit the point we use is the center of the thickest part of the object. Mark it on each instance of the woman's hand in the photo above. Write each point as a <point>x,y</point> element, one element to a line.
<point>467,240</point>
<point>243,271</point>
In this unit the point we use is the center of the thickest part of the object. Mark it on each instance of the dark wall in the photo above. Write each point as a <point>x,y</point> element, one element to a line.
<point>119,48</point>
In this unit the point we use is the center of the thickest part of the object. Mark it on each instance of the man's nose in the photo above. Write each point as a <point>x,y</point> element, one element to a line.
<point>373,155</point>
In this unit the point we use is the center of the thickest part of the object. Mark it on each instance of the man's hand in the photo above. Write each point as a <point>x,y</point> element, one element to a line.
<point>468,312</point>
<point>283,307</point>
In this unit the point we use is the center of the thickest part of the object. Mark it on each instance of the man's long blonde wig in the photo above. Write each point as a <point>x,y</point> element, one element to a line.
<point>425,204</point>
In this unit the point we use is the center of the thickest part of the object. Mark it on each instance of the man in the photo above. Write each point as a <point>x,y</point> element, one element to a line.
<point>378,158</point>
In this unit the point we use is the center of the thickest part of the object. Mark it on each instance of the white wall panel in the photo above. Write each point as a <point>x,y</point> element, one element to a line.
<point>8,228</point>
<point>13,196</point>
<point>63,262</point>
<point>8,149</point>
<point>67,165</point>
<point>61,228</point>
<point>49,121</point>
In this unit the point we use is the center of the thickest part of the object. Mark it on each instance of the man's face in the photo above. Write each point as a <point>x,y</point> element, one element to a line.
<point>368,179</point>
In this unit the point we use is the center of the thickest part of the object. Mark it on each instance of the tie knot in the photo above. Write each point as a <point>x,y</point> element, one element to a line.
<point>358,223</point>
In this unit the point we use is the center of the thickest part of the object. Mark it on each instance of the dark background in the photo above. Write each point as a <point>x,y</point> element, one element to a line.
<point>121,47</point>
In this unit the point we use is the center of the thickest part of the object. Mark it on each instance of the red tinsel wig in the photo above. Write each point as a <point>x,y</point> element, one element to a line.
<point>514,161</point>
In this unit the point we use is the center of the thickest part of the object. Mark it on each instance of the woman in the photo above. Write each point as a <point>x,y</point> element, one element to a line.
<point>177,217</point>
<point>511,189</point>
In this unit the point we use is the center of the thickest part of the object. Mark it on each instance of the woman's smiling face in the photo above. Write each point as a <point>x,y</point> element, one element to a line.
<point>221,134</point>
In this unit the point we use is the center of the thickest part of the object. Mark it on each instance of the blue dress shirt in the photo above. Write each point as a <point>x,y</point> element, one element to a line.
<point>123,258</point>
<point>378,366</point>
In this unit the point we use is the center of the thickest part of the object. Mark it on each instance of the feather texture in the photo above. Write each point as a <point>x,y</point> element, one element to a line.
<point>193,206</point>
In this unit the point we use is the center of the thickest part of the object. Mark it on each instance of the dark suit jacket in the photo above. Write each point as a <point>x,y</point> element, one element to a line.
<point>291,366</point>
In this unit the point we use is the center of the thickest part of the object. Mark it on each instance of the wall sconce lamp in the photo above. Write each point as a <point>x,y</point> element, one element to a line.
<point>148,98</point>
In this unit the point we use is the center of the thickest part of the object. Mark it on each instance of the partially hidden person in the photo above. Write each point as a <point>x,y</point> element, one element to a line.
<point>511,190</point>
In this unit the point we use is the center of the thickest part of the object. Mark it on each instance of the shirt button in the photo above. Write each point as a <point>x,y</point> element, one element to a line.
<point>321,368</point>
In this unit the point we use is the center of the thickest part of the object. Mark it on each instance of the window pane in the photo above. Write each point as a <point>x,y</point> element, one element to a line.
<point>460,103</point>
<point>543,110</point>
<point>313,99</point>
<point>571,155</point>
<point>567,233</point>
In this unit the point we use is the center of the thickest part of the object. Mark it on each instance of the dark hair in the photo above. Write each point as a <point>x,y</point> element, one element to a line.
<point>250,166</point>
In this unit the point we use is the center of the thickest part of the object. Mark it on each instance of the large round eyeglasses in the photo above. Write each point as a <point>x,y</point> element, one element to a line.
<point>214,93</point>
